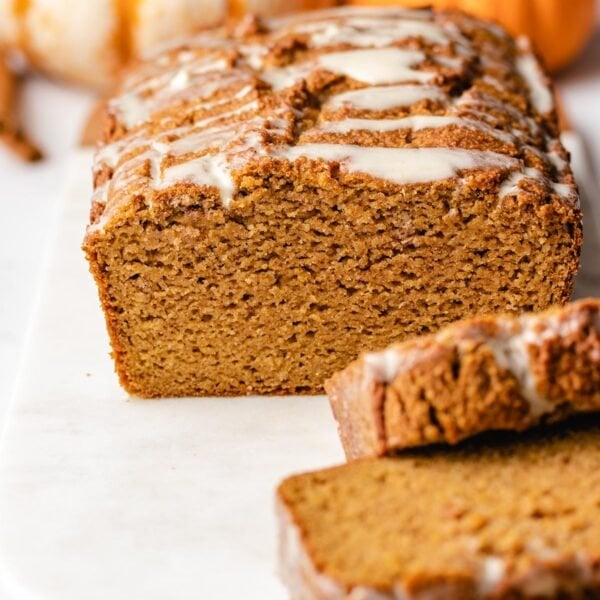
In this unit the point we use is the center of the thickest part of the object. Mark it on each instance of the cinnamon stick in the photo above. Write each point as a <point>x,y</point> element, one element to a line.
<point>11,133</point>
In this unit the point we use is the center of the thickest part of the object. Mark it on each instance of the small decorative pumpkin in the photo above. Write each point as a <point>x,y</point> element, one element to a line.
<point>88,41</point>
<point>559,29</point>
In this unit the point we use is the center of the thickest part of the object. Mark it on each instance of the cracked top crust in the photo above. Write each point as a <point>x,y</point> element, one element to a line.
<point>380,99</point>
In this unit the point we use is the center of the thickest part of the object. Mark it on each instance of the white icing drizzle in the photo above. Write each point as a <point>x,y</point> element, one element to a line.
<point>371,31</point>
<point>560,164</point>
<point>110,154</point>
<point>210,170</point>
<point>129,109</point>
<point>414,123</point>
<point>284,77</point>
<point>511,351</point>
<point>474,99</point>
<point>386,365</point>
<point>254,55</point>
<point>386,97</point>
<point>539,92</point>
<point>374,66</point>
<point>449,61</point>
<point>180,81</point>
<point>493,82</point>
<point>212,137</point>
<point>400,165</point>
<point>492,573</point>
<point>536,331</point>
<point>215,170</point>
<point>511,186</point>
<point>377,65</point>
<point>189,139</point>
<point>138,104</point>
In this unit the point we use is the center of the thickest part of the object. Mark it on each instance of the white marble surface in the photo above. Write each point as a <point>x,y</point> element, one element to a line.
<point>28,199</point>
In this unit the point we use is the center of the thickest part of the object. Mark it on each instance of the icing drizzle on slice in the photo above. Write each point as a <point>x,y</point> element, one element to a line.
<point>377,65</point>
<point>386,97</point>
<point>400,165</point>
<point>530,70</point>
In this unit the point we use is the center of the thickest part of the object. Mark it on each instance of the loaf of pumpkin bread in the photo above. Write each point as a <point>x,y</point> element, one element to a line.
<point>485,373</point>
<point>513,517</point>
<point>273,199</point>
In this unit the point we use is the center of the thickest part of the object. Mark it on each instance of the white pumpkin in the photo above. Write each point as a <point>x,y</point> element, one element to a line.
<point>88,41</point>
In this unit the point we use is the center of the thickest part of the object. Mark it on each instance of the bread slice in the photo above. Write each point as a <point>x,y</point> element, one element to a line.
<point>505,517</point>
<point>271,200</point>
<point>499,372</point>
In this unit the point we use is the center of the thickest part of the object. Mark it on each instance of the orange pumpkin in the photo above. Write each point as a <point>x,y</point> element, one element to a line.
<point>559,29</point>
<point>88,41</point>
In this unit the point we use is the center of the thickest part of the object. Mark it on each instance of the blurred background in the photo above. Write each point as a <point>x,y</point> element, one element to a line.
<point>58,58</point>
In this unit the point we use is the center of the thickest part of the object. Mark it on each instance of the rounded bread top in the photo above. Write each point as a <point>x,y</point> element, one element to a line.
<point>370,97</point>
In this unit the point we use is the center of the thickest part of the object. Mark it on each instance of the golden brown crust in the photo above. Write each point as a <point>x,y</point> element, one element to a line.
<point>358,406</point>
<point>480,374</point>
<point>257,218</point>
<point>498,518</point>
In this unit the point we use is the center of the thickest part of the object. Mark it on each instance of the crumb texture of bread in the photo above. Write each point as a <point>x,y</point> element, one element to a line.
<point>272,199</point>
<point>505,517</point>
<point>486,373</point>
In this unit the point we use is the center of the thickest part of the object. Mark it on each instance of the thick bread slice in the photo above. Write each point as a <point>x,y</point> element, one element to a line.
<point>513,517</point>
<point>486,373</point>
